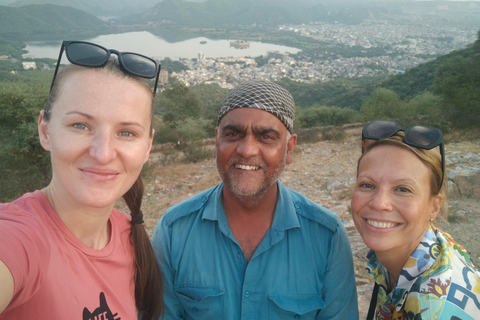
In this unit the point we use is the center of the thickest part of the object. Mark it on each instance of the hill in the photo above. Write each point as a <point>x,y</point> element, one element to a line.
<point>350,93</point>
<point>274,12</point>
<point>105,8</point>
<point>43,22</point>
<point>421,78</point>
<point>258,12</point>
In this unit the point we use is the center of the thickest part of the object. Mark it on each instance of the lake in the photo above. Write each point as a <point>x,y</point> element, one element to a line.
<point>152,46</point>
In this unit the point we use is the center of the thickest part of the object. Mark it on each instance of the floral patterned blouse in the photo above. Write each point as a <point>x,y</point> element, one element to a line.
<point>438,281</point>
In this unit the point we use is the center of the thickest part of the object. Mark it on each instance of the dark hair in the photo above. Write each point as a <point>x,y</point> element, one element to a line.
<point>148,279</point>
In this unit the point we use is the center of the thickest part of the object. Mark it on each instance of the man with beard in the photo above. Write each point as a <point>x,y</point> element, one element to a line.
<point>251,248</point>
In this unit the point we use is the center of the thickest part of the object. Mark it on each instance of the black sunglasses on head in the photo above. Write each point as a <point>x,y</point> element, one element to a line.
<point>87,54</point>
<point>419,136</point>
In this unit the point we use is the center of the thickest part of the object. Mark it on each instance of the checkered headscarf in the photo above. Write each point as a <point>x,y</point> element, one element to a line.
<point>264,95</point>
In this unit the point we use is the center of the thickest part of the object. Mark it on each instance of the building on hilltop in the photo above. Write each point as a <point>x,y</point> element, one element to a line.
<point>240,44</point>
<point>163,78</point>
<point>277,55</point>
<point>29,65</point>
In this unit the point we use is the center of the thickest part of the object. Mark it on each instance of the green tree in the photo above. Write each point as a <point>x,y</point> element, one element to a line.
<point>25,166</point>
<point>427,110</point>
<point>343,93</point>
<point>382,104</point>
<point>323,116</point>
<point>458,82</point>
<point>212,95</point>
<point>172,66</point>
<point>177,106</point>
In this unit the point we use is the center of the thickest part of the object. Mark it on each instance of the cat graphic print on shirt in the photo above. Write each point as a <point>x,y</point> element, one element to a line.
<point>101,313</point>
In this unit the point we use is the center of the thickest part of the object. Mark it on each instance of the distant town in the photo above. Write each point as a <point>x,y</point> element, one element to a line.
<point>410,43</point>
<point>401,43</point>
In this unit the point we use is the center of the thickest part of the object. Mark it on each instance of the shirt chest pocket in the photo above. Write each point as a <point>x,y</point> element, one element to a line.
<point>201,302</point>
<point>295,306</point>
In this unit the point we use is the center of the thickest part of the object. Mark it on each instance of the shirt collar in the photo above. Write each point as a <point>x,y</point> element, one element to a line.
<point>419,261</point>
<point>285,212</point>
<point>285,216</point>
<point>214,209</point>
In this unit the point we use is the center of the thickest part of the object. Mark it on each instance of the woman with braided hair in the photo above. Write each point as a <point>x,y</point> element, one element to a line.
<point>65,251</point>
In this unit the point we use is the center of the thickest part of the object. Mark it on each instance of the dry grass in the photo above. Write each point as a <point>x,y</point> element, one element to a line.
<point>169,185</point>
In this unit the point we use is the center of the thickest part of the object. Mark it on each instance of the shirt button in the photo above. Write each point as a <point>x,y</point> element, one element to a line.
<point>240,255</point>
<point>297,316</point>
<point>247,294</point>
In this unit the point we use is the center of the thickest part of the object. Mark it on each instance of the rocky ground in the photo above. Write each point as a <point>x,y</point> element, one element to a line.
<point>324,172</point>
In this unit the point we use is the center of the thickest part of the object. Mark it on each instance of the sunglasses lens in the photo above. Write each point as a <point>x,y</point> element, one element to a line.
<point>423,136</point>
<point>139,65</point>
<point>86,54</point>
<point>380,129</point>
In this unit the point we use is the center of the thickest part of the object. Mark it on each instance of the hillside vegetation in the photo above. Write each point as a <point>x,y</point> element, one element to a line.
<point>261,12</point>
<point>107,8</point>
<point>43,22</point>
<point>443,92</point>
<point>274,12</point>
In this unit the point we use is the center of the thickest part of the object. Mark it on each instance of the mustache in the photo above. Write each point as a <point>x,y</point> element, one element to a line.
<point>248,162</point>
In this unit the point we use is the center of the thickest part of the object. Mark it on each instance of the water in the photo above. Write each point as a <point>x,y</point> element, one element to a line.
<point>152,46</point>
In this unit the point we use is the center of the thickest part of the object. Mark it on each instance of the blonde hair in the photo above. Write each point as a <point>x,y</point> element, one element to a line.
<point>147,277</point>
<point>431,158</point>
<point>112,66</point>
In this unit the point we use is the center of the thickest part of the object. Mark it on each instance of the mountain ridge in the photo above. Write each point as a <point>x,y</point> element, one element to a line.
<point>107,8</point>
<point>43,22</point>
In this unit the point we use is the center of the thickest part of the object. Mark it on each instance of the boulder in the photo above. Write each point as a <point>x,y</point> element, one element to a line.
<point>464,182</point>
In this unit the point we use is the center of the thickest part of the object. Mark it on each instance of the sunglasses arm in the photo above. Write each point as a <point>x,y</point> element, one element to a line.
<point>58,65</point>
<point>442,154</point>
<point>156,80</point>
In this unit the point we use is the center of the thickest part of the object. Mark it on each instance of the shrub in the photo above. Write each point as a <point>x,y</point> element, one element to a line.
<point>196,152</point>
<point>324,116</point>
<point>333,133</point>
<point>312,135</point>
<point>308,135</point>
<point>25,166</point>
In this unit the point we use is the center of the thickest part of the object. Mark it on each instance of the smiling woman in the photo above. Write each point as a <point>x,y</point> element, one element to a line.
<point>69,251</point>
<point>420,272</point>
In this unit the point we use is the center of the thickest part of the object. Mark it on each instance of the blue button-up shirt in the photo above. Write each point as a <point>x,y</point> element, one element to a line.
<point>302,269</point>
